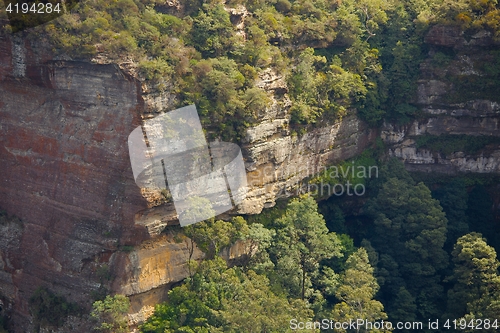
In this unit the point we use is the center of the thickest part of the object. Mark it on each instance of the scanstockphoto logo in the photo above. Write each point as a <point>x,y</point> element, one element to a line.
<point>170,151</point>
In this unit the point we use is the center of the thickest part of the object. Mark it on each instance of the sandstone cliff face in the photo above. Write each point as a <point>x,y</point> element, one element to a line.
<point>276,159</point>
<point>155,265</point>
<point>152,268</point>
<point>442,114</point>
<point>66,174</point>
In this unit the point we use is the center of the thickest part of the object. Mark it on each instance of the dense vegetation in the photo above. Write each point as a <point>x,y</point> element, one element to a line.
<point>289,275</point>
<point>414,239</point>
<point>400,256</point>
<point>336,56</point>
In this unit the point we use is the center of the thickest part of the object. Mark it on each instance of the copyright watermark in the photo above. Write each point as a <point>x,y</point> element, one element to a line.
<point>356,324</point>
<point>347,179</point>
<point>461,324</point>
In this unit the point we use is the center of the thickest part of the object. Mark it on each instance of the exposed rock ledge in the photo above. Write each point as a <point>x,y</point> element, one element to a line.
<point>427,161</point>
<point>435,95</point>
<point>402,146</point>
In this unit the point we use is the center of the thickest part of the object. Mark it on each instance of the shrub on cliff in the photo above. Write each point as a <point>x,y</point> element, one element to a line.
<point>50,309</point>
<point>111,314</point>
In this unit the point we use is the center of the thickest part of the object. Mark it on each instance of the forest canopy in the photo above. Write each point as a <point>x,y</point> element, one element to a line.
<point>404,258</point>
<point>337,57</point>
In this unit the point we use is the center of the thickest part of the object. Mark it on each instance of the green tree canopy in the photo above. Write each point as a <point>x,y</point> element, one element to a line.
<point>410,232</point>
<point>302,241</point>
<point>111,314</point>
<point>356,293</point>
<point>476,292</point>
<point>212,236</point>
<point>218,299</point>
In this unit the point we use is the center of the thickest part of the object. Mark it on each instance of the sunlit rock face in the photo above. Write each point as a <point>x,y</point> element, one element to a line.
<point>277,162</point>
<point>150,270</point>
<point>402,142</point>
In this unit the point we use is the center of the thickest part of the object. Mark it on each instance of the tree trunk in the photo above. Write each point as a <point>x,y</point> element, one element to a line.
<point>303,283</point>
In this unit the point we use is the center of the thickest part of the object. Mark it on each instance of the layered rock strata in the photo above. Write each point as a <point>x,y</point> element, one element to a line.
<point>443,113</point>
<point>65,173</point>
